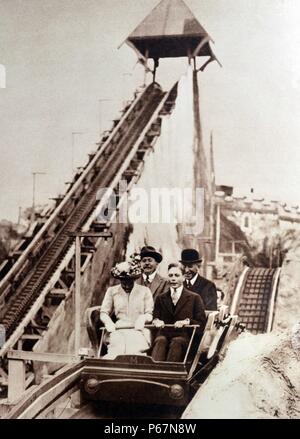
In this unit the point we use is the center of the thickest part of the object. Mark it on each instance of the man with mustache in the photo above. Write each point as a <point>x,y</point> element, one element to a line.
<point>191,262</point>
<point>150,259</point>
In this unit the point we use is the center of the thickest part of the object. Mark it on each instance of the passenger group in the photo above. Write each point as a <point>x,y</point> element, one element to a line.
<point>144,297</point>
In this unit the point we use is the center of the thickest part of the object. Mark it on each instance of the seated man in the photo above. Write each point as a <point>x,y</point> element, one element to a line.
<point>191,261</point>
<point>150,259</point>
<point>180,307</point>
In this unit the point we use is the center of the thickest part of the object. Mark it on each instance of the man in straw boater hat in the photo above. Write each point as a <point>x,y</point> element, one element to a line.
<point>150,259</point>
<point>191,262</point>
<point>132,305</point>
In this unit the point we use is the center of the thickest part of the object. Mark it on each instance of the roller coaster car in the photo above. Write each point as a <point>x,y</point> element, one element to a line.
<point>139,379</point>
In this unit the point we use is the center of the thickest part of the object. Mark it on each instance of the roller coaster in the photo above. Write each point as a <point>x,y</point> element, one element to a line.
<point>44,261</point>
<point>40,274</point>
<point>129,379</point>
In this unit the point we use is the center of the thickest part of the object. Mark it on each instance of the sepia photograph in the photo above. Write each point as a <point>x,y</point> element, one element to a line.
<point>149,212</point>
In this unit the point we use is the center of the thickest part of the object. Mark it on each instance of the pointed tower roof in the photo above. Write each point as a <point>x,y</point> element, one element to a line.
<point>170,30</point>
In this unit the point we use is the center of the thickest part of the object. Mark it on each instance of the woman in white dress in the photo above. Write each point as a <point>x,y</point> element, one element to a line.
<point>132,305</point>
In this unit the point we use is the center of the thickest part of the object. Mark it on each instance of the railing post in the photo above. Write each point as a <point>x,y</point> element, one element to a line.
<point>77,293</point>
<point>16,379</point>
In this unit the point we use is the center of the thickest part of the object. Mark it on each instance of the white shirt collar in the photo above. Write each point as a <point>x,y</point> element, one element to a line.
<point>193,280</point>
<point>151,276</point>
<point>178,290</point>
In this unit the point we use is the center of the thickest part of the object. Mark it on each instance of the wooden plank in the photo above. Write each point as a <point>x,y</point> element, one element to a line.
<point>58,293</point>
<point>41,397</point>
<point>77,294</point>
<point>60,400</point>
<point>30,378</point>
<point>31,337</point>
<point>16,379</point>
<point>3,374</point>
<point>90,234</point>
<point>41,356</point>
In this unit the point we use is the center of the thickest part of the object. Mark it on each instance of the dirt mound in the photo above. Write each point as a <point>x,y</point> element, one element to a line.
<point>258,379</point>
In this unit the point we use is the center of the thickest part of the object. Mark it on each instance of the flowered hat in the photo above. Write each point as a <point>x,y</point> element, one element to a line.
<point>128,269</point>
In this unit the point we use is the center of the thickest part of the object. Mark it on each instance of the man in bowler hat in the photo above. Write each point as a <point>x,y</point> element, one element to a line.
<point>150,259</point>
<point>191,261</point>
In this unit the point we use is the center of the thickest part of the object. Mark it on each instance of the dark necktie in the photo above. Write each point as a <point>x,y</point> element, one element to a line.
<point>147,280</point>
<point>188,284</point>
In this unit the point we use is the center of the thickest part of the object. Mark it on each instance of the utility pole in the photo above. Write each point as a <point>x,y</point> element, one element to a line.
<point>203,245</point>
<point>34,174</point>
<point>218,233</point>
<point>77,297</point>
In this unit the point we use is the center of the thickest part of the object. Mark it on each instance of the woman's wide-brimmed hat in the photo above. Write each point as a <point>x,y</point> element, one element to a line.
<point>190,256</point>
<point>126,270</point>
<point>151,252</point>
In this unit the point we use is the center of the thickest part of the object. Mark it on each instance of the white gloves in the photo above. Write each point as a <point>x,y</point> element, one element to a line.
<point>108,323</point>
<point>158,323</point>
<point>140,323</point>
<point>110,327</point>
<point>182,323</point>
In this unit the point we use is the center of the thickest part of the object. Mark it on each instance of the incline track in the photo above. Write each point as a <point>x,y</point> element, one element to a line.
<point>256,300</point>
<point>29,289</point>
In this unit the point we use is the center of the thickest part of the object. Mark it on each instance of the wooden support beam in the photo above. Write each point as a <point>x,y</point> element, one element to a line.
<point>88,249</point>
<point>91,234</point>
<point>29,380</point>
<point>58,293</point>
<point>77,293</point>
<point>99,227</point>
<point>3,374</point>
<point>200,45</point>
<point>16,379</point>
<point>62,284</point>
<point>31,337</point>
<point>130,173</point>
<point>69,271</point>
<point>15,355</point>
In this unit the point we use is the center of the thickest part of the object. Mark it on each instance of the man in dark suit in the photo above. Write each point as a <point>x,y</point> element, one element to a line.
<point>150,278</point>
<point>191,261</point>
<point>178,307</point>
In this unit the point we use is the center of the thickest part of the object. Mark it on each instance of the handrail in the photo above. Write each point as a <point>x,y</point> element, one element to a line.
<point>272,300</point>
<point>91,218</point>
<point>237,291</point>
<point>153,327</point>
<point>194,327</point>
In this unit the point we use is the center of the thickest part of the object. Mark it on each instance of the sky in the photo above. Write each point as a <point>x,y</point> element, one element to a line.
<point>65,74</point>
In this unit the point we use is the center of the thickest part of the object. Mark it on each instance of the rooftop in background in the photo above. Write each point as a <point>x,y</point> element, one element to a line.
<point>171,30</point>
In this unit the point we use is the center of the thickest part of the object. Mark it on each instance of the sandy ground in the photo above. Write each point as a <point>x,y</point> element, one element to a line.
<point>259,378</point>
<point>288,301</point>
